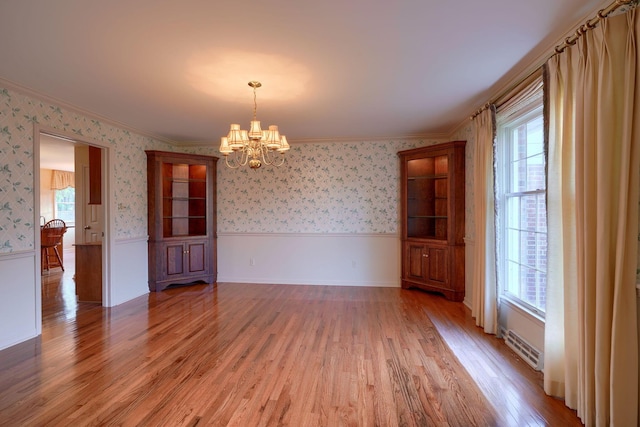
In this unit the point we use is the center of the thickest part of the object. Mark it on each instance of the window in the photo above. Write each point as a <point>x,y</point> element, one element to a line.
<point>65,205</point>
<point>522,213</point>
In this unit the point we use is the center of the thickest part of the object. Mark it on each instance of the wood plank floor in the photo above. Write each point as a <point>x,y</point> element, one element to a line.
<point>251,355</point>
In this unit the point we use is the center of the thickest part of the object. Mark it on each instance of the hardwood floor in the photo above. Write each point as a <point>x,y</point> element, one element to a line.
<point>250,355</point>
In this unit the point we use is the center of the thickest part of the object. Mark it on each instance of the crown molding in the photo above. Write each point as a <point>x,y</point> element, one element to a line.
<point>459,127</point>
<point>430,136</point>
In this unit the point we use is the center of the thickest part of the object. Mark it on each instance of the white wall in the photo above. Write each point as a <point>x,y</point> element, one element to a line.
<point>530,328</point>
<point>129,275</point>
<point>20,297</point>
<point>312,259</point>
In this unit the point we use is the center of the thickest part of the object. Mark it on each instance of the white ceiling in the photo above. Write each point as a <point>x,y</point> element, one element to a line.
<point>331,69</point>
<point>56,153</point>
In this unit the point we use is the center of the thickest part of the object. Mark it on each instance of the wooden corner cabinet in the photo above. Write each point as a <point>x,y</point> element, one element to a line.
<point>432,218</point>
<point>181,219</point>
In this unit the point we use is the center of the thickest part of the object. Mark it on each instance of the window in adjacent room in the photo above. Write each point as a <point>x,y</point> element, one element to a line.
<point>65,205</point>
<point>521,197</point>
<point>63,186</point>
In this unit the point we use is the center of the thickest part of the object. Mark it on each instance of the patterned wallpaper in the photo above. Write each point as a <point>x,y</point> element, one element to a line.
<point>332,187</point>
<point>18,115</point>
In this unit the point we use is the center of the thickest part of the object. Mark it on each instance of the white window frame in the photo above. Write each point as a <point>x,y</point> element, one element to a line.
<point>504,134</point>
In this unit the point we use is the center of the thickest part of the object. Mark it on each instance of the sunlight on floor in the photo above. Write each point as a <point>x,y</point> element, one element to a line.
<point>59,290</point>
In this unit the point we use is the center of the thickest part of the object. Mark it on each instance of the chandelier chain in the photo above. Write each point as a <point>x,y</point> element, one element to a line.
<point>255,104</point>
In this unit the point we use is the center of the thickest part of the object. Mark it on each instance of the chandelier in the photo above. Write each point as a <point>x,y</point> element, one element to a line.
<point>255,147</point>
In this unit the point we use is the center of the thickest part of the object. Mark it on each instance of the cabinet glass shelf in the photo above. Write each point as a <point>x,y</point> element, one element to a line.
<point>184,199</point>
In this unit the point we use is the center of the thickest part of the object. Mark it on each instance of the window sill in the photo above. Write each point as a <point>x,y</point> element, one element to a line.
<point>525,311</point>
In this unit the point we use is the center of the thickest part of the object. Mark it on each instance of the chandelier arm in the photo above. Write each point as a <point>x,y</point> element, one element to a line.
<point>281,162</point>
<point>229,165</point>
<point>244,155</point>
<point>239,158</point>
<point>266,155</point>
<point>270,157</point>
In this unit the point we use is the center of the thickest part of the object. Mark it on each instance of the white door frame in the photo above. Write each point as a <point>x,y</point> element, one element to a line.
<point>109,220</point>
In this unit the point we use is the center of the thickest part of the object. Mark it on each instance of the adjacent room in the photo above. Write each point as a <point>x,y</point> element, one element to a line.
<point>336,213</point>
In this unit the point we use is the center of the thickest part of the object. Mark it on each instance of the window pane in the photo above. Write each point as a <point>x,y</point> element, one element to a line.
<point>542,213</point>
<point>519,143</point>
<point>522,209</point>
<point>541,297</point>
<point>513,245</point>
<point>527,139</point>
<point>518,181</point>
<point>512,282</point>
<point>530,212</point>
<point>541,251</point>
<point>513,212</point>
<point>65,206</point>
<point>529,252</point>
<point>535,136</point>
<point>535,173</point>
<point>529,283</point>
<point>527,172</point>
<point>533,287</point>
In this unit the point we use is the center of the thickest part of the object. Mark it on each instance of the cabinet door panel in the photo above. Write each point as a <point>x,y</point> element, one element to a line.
<point>197,257</point>
<point>175,259</point>
<point>438,265</point>
<point>415,262</point>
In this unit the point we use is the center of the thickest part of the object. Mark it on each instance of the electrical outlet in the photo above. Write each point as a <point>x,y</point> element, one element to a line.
<point>252,262</point>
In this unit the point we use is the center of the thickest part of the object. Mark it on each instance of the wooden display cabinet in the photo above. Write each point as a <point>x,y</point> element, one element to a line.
<point>181,219</point>
<point>432,218</point>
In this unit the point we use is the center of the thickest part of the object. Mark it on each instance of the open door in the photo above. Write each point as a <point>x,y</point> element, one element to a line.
<point>89,216</point>
<point>90,223</point>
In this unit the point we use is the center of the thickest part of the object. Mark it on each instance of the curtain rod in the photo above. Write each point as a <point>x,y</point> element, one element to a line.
<point>569,41</point>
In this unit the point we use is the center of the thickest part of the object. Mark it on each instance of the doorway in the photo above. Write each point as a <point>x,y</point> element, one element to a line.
<point>71,177</point>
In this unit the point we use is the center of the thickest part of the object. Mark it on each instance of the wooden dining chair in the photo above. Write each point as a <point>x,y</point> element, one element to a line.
<point>51,238</point>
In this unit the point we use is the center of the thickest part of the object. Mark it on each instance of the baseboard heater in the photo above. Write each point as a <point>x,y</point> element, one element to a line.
<point>522,348</point>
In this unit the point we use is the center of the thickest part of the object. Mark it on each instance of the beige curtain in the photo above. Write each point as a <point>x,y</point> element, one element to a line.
<point>62,179</point>
<point>484,302</point>
<point>591,347</point>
